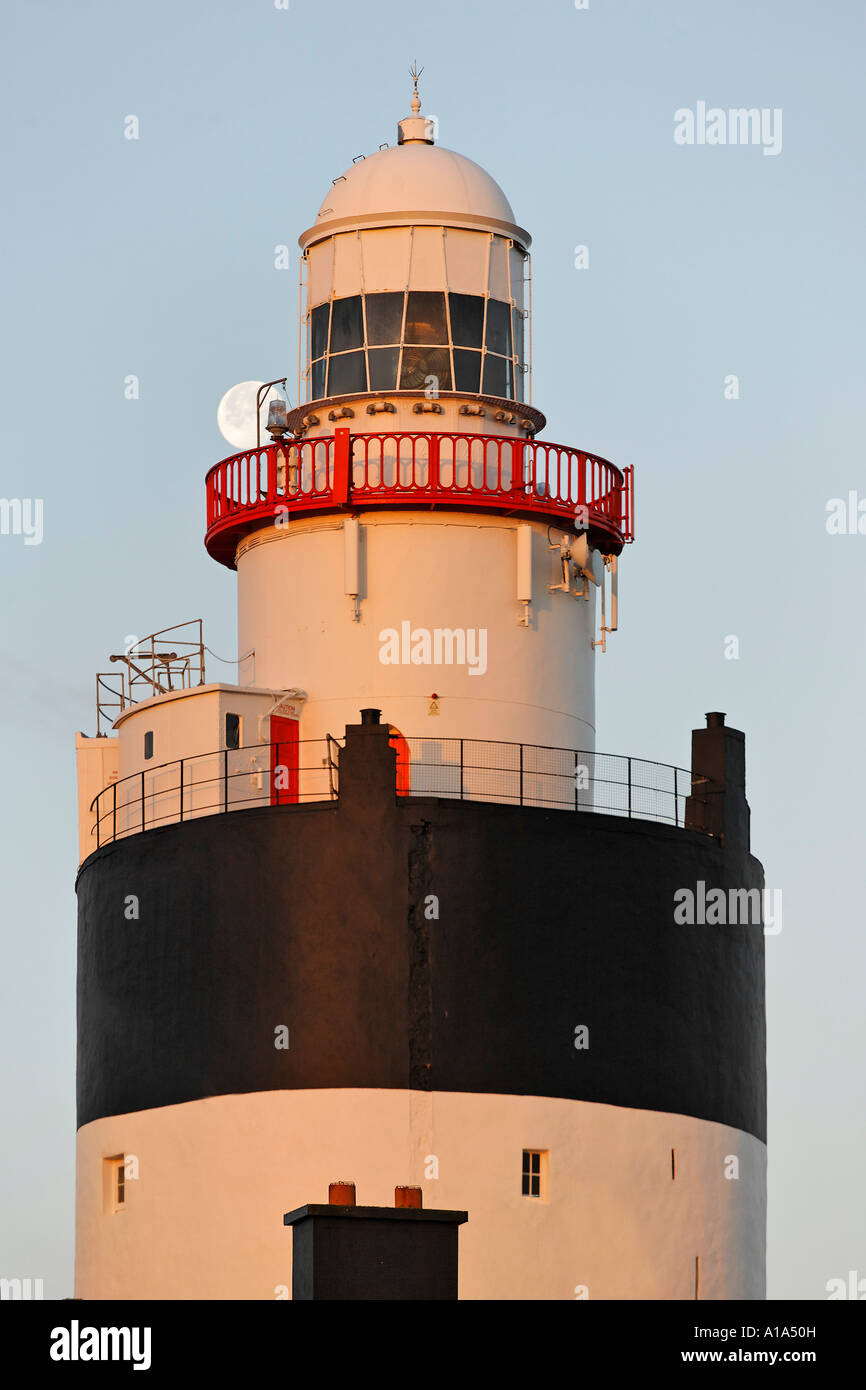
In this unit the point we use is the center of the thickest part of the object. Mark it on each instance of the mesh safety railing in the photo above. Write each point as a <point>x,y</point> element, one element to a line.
<point>525,774</point>
<point>231,779</point>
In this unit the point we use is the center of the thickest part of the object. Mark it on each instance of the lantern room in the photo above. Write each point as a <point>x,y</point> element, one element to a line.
<point>429,291</point>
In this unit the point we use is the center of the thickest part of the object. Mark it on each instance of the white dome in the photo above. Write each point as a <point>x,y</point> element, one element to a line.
<point>415,183</point>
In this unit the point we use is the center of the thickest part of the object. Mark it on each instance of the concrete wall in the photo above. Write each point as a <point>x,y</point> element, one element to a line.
<point>96,762</point>
<point>433,962</point>
<point>456,572</point>
<point>204,1217</point>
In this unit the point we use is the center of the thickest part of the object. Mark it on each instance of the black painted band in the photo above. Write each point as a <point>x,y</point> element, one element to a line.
<point>319,918</point>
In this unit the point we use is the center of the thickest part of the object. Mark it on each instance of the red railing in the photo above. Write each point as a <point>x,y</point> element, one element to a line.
<point>417,469</point>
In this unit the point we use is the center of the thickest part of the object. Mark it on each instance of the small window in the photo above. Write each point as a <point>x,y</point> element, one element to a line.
<point>467,319</point>
<point>425,317</point>
<point>318,379</point>
<point>383,368</point>
<point>533,1173</point>
<point>384,318</point>
<point>518,334</point>
<point>497,376</point>
<point>115,1182</point>
<point>347,373</point>
<point>498,337</point>
<point>467,370</point>
<point>233,731</point>
<point>347,324</point>
<point>148,744</point>
<point>319,330</point>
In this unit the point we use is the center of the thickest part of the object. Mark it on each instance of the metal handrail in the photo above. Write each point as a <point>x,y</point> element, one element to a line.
<point>149,666</point>
<point>491,770</point>
<point>181,793</point>
<point>523,774</point>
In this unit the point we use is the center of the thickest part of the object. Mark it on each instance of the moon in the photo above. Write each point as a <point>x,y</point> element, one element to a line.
<point>236,414</point>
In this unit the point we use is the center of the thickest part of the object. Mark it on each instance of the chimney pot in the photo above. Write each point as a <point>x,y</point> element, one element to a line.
<point>716,720</point>
<point>370,716</point>
<point>341,1194</point>
<point>408,1197</point>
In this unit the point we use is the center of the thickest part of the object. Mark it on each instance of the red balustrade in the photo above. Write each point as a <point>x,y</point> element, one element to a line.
<point>468,471</point>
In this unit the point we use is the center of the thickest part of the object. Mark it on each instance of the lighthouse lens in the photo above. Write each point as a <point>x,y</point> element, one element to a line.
<point>425,318</point>
<point>421,363</point>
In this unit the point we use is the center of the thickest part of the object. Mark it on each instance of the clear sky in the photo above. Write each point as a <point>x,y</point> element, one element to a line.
<point>155,257</point>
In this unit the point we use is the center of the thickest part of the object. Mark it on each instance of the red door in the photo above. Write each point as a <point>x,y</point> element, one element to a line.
<point>284,760</point>
<point>404,771</point>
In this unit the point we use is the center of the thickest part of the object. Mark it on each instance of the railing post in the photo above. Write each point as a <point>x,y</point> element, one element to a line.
<point>113,819</point>
<point>433,460</point>
<point>181,788</point>
<point>225,779</point>
<point>461,769</point>
<point>517,479</point>
<point>342,464</point>
<point>676,797</point>
<point>521,774</point>
<point>629,788</point>
<point>142,799</point>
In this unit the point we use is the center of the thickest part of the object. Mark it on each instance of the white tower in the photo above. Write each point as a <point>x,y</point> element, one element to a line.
<point>415,498</point>
<point>427,968</point>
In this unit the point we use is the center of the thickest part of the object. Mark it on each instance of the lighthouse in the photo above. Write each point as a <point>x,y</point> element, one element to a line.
<point>380,912</point>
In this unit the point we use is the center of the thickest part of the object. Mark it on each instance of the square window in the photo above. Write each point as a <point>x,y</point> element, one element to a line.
<point>467,370</point>
<point>318,380</point>
<point>533,1177</point>
<point>518,334</point>
<point>384,318</point>
<point>347,324</point>
<point>114,1182</point>
<point>467,319</point>
<point>383,368</point>
<point>319,320</point>
<point>497,376</point>
<point>498,336</point>
<point>347,373</point>
<point>425,317</point>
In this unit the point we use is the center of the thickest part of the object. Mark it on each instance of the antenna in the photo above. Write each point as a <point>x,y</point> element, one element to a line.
<point>415,72</point>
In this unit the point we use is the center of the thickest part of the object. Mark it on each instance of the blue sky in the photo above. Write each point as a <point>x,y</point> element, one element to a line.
<point>155,257</point>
